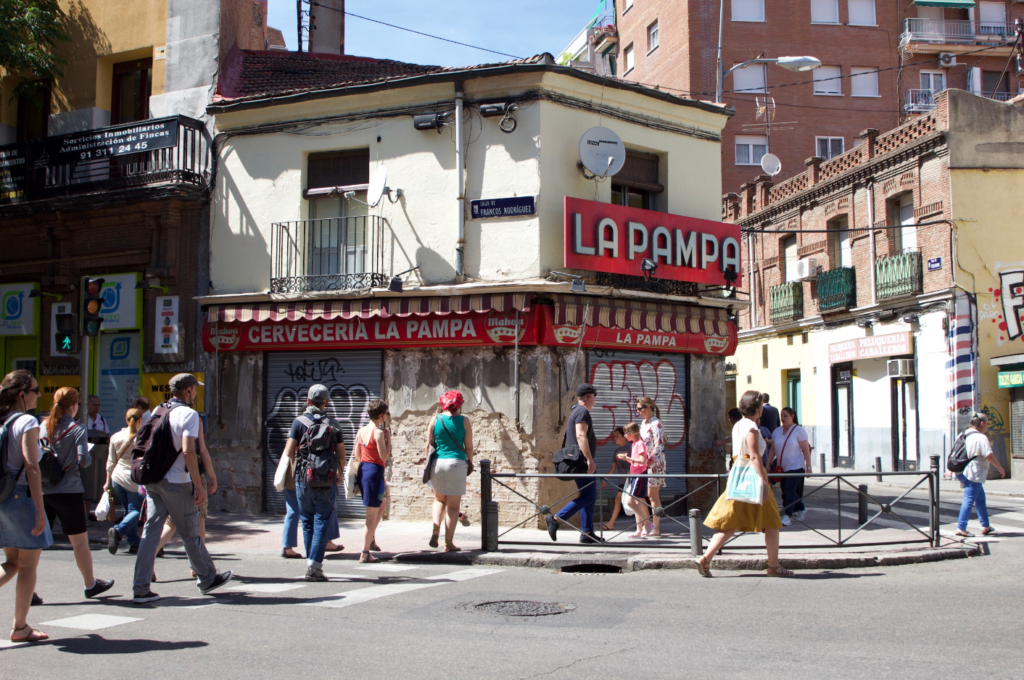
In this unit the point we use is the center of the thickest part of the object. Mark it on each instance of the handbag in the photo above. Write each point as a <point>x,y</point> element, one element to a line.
<point>777,465</point>
<point>745,485</point>
<point>569,460</point>
<point>281,473</point>
<point>428,470</point>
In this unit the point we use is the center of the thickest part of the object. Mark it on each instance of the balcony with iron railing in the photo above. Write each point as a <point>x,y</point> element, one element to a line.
<point>837,289</point>
<point>162,151</point>
<point>899,274</point>
<point>330,254</point>
<point>786,302</point>
<point>957,31</point>
<point>922,101</point>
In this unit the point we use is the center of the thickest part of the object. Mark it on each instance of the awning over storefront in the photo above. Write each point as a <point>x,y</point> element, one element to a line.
<point>958,4</point>
<point>381,308</point>
<point>577,310</point>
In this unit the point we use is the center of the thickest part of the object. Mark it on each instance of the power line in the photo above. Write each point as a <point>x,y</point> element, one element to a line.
<point>402,28</point>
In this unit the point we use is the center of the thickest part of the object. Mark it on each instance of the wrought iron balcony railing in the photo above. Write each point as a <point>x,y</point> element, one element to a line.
<point>898,275</point>
<point>837,289</point>
<point>786,301</point>
<point>337,253</point>
<point>174,150</point>
<point>957,31</point>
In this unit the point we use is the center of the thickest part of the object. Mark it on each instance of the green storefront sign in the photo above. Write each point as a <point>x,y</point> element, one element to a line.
<point>1011,379</point>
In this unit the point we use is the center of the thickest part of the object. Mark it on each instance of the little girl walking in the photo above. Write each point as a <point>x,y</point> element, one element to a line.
<point>636,487</point>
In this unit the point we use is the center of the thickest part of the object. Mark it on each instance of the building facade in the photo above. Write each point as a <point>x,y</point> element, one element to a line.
<point>882,62</point>
<point>508,293</point>
<point>878,286</point>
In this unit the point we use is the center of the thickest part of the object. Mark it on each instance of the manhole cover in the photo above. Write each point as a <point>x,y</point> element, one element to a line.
<point>524,608</point>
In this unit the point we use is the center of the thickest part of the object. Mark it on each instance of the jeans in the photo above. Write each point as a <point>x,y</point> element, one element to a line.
<point>974,496</point>
<point>290,535</point>
<point>132,504</point>
<point>316,506</point>
<point>162,499</point>
<point>793,493</point>
<point>583,504</point>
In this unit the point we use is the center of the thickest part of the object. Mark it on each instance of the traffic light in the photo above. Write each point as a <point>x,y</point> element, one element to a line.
<point>66,333</point>
<point>92,304</point>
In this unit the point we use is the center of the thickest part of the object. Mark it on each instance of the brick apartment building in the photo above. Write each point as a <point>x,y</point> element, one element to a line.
<point>866,79</point>
<point>884,280</point>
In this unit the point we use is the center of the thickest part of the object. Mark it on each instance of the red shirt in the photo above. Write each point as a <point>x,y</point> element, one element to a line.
<point>639,452</point>
<point>368,452</point>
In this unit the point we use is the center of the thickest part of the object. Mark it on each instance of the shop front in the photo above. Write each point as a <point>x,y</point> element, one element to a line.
<point>19,327</point>
<point>1011,378</point>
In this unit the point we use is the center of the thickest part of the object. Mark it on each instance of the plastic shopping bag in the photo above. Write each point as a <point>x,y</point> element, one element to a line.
<point>745,485</point>
<point>625,508</point>
<point>103,507</point>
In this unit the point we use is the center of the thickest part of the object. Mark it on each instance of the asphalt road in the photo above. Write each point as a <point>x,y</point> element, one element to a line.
<point>955,619</point>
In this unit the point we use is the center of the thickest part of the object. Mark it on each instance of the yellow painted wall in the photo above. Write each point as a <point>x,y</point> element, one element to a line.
<point>781,357</point>
<point>989,221</point>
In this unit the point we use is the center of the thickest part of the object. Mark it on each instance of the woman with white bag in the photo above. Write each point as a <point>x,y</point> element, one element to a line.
<point>748,504</point>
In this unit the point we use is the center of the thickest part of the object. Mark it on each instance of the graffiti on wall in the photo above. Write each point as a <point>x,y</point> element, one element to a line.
<point>995,419</point>
<point>1006,307</point>
<point>620,383</point>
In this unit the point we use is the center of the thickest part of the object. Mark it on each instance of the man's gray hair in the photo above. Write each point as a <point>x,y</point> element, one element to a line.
<point>978,419</point>
<point>91,397</point>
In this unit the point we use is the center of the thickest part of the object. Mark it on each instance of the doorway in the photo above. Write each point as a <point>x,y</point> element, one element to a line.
<point>842,415</point>
<point>904,424</point>
<point>793,393</point>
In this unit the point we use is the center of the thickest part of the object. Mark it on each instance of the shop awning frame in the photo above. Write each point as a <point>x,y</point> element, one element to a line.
<point>952,4</point>
<point>642,316</point>
<point>381,308</point>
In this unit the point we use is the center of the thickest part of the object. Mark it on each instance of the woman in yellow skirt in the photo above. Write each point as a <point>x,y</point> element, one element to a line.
<point>728,517</point>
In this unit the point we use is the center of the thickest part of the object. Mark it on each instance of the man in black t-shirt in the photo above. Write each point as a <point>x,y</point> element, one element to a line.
<point>580,428</point>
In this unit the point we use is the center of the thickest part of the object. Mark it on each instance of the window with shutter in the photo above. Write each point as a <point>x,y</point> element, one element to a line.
<point>863,81</point>
<point>828,80</point>
<point>636,185</point>
<point>748,10</point>
<point>750,149</point>
<point>749,79</point>
<point>628,55</point>
<point>862,12</point>
<point>339,169</point>
<point>824,11</point>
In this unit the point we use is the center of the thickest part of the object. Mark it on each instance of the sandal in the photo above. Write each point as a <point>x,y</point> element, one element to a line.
<point>987,530</point>
<point>778,570</point>
<point>967,534</point>
<point>433,539</point>
<point>368,558</point>
<point>463,519</point>
<point>374,547</point>
<point>33,634</point>
<point>451,547</point>
<point>333,547</point>
<point>701,569</point>
<point>639,534</point>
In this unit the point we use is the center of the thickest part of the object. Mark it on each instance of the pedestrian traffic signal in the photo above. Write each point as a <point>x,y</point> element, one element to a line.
<point>66,333</point>
<point>92,304</point>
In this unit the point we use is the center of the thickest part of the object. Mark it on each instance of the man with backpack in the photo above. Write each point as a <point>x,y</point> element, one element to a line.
<point>165,461</point>
<point>969,461</point>
<point>315,443</point>
<point>580,428</point>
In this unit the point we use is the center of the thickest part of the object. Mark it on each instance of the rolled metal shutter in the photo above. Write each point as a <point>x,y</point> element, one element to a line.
<point>353,378</point>
<point>623,377</point>
<point>1017,422</point>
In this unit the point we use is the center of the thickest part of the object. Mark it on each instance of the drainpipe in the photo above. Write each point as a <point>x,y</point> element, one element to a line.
<point>460,161</point>
<point>871,235</point>
<point>753,285</point>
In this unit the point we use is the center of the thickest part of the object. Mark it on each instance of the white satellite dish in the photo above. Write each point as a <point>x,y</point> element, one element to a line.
<point>602,152</point>
<point>377,186</point>
<point>771,164</point>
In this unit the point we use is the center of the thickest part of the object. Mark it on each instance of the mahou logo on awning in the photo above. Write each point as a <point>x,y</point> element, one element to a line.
<point>602,237</point>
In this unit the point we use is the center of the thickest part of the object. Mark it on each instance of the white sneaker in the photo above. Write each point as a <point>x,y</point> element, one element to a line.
<point>786,521</point>
<point>799,515</point>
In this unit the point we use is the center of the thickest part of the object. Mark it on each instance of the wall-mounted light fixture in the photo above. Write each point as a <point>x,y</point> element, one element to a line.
<point>577,286</point>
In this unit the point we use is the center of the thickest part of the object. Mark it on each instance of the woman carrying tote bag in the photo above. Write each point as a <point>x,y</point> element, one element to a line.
<point>729,516</point>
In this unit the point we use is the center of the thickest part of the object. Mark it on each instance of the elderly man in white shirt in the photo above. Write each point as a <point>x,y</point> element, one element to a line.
<point>94,421</point>
<point>974,475</point>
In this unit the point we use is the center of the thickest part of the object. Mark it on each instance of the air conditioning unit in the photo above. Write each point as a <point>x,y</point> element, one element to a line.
<point>947,60</point>
<point>807,268</point>
<point>901,368</point>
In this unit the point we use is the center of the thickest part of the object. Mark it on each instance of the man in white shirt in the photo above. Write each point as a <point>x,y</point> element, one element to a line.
<point>974,475</point>
<point>94,421</point>
<point>178,494</point>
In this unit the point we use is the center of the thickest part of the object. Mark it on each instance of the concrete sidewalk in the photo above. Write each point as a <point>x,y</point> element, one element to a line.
<point>993,487</point>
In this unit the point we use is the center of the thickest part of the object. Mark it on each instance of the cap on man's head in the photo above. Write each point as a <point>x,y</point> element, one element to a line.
<point>182,381</point>
<point>585,389</point>
<point>318,394</point>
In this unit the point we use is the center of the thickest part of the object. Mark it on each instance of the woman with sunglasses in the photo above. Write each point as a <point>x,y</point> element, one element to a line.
<point>653,435</point>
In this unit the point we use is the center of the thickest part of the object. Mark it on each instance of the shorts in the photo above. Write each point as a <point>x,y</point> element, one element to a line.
<point>202,508</point>
<point>17,517</point>
<point>69,508</point>
<point>371,483</point>
<point>449,476</point>
<point>636,487</point>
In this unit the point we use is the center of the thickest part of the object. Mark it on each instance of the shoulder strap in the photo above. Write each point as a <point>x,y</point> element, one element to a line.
<point>305,420</point>
<point>452,437</point>
<point>782,451</point>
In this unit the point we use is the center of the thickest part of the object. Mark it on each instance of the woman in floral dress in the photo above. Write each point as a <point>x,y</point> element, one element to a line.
<point>653,434</point>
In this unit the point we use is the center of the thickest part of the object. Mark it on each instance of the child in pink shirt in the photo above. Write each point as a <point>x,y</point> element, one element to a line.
<point>636,487</point>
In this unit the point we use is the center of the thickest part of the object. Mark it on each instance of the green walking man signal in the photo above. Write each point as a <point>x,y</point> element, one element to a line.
<point>66,335</point>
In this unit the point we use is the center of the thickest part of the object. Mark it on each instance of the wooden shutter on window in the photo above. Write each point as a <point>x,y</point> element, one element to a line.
<point>339,168</point>
<point>639,172</point>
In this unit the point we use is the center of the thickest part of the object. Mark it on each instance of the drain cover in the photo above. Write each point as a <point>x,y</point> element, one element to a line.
<point>524,608</point>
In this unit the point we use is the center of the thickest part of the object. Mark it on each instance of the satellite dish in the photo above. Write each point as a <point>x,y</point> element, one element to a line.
<point>602,152</point>
<point>377,186</point>
<point>771,164</point>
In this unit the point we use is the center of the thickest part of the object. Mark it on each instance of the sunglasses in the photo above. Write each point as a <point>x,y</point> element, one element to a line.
<point>34,389</point>
<point>641,408</point>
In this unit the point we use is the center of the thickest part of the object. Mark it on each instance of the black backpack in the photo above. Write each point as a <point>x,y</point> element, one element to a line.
<point>49,462</point>
<point>153,453</point>
<point>317,458</point>
<point>569,460</point>
<point>7,482</point>
<point>958,458</point>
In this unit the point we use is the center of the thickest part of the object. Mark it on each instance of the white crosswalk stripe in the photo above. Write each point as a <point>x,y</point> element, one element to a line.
<point>388,567</point>
<point>91,621</point>
<point>266,587</point>
<point>359,596</point>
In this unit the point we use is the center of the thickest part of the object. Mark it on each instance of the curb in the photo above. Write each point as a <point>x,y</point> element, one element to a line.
<point>641,562</point>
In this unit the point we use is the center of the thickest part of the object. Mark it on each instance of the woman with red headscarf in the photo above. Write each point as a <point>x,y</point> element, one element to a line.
<point>452,436</point>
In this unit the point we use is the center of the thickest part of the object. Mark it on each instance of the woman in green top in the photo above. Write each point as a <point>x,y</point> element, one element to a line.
<point>452,437</point>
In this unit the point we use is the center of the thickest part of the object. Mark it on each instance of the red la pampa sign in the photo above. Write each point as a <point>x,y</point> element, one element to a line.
<point>602,237</point>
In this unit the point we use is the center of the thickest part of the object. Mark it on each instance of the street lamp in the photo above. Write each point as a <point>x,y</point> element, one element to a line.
<point>795,64</point>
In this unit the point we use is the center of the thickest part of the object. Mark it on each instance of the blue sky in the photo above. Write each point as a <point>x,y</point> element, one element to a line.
<point>521,28</point>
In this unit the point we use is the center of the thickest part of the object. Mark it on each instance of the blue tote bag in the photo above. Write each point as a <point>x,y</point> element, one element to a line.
<point>745,485</point>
